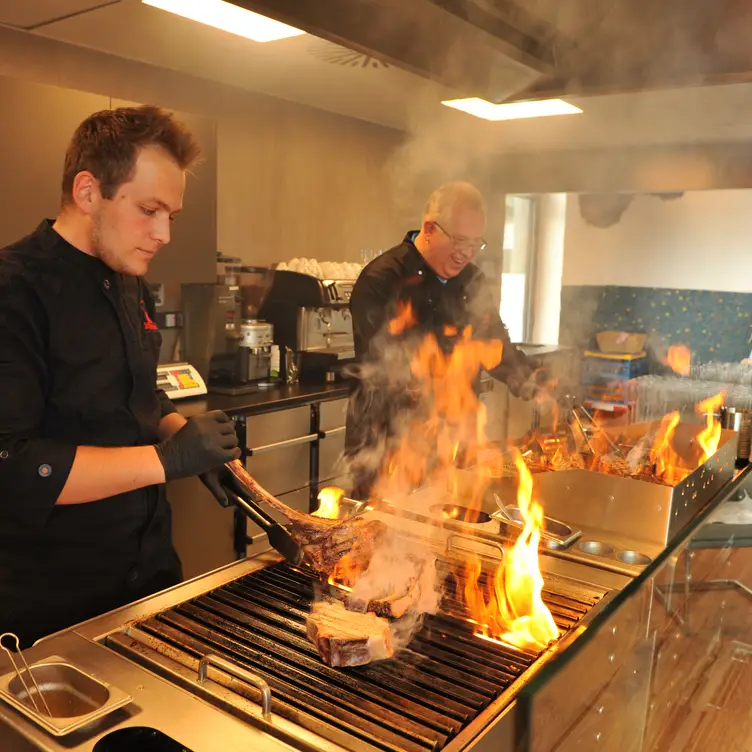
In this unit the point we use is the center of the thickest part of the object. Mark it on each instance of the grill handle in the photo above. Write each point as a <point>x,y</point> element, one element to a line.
<point>307,439</point>
<point>210,659</point>
<point>457,537</point>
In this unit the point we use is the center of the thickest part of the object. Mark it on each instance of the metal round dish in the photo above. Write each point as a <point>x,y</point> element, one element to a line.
<point>460,514</point>
<point>596,548</point>
<point>634,557</point>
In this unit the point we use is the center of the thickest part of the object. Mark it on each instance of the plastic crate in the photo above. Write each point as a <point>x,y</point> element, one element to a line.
<point>605,377</point>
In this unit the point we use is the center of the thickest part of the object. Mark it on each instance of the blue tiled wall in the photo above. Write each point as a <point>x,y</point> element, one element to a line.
<point>714,325</point>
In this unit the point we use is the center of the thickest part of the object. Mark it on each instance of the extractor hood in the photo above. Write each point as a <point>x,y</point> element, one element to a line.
<point>483,48</point>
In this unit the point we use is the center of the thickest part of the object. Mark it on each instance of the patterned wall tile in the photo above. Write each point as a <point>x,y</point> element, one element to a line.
<point>714,325</point>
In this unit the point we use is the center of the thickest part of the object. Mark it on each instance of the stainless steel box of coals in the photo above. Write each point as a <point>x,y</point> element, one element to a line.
<point>616,523</point>
<point>627,520</point>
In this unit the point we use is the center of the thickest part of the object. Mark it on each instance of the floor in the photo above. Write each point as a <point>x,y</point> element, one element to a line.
<point>701,682</point>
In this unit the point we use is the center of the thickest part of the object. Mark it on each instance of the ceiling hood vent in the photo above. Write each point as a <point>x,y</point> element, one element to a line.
<point>333,53</point>
<point>470,46</point>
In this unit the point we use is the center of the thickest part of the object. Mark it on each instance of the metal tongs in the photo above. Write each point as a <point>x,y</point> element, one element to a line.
<point>20,674</point>
<point>616,449</point>
<point>278,535</point>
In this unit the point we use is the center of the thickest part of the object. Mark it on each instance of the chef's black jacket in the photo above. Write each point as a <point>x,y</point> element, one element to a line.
<point>401,275</point>
<point>78,357</point>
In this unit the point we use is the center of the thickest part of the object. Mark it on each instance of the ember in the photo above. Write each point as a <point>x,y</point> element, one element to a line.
<point>654,458</point>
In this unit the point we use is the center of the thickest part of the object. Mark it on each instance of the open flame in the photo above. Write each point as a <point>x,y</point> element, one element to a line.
<point>710,437</point>
<point>663,455</point>
<point>510,608</point>
<point>329,499</point>
<point>679,359</point>
<point>448,432</point>
<point>450,422</point>
<point>404,320</point>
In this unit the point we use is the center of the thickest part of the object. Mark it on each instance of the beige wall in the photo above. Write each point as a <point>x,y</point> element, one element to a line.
<point>699,241</point>
<point>291,180</point>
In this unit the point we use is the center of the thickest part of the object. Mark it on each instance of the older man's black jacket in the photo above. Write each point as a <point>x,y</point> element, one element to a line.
<point>401,275</point>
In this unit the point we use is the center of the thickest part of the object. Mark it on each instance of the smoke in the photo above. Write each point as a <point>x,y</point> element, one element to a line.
<point>403,575</point>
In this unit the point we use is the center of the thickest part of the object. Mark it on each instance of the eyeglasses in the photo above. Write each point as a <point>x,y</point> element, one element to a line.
<point>472,245</point>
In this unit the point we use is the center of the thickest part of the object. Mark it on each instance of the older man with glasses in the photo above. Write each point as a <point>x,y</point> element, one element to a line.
<point>432,271</point>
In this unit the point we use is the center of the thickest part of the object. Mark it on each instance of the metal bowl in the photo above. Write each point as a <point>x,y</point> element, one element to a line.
<point>634,557</point>
<point>596,548</point>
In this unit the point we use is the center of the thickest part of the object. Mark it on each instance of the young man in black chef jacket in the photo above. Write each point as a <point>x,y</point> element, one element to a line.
<point>431,269</point>
<point>87,441</point>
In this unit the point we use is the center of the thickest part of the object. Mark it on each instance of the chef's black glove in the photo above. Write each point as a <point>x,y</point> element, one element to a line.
<point>217,480</point>
<point>202,444</point>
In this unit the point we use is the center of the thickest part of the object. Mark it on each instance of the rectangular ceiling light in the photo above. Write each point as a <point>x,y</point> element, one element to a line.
<point>512,110</point>
<point>229,17</point>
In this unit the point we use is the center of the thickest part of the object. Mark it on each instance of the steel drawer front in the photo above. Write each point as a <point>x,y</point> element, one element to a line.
<point>279,466</point>
<point>333,415</point>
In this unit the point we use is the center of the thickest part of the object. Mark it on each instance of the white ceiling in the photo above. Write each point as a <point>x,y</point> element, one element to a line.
<point>315,72</point>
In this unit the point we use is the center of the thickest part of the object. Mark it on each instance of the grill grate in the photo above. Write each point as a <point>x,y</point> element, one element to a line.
<point>416,702</point>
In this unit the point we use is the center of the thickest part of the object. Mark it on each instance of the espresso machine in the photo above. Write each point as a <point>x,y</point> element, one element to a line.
<point>223,333</point>
<point>311,319</point>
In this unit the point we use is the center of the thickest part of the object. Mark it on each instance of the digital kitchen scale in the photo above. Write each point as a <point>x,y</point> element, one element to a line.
<point>180,380</point>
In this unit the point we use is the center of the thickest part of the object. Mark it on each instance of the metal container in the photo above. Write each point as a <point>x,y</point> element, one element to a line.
<point>739,420</point>
<point>70,698</point>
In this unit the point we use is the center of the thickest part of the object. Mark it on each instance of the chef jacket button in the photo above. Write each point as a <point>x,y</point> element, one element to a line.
<point>106,284</point>
<point>420,271</point>
<point>133,575</point>
<point>4,454</point>
<point>44,470</point>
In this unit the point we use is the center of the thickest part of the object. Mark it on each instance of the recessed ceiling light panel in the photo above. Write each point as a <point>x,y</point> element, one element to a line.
<point>228,17</point>
<point>512,110</point>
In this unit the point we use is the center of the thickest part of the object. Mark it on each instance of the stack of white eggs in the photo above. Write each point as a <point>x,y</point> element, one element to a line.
<point>323,270</point>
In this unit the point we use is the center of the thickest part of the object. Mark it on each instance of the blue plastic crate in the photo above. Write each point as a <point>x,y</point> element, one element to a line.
<point>602,368</point>
<point>606,377</point>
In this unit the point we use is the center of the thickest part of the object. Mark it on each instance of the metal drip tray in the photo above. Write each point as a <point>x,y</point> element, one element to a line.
<point>73,697</point>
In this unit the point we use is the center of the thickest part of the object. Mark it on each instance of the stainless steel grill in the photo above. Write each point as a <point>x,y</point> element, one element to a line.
<point>418,701</point>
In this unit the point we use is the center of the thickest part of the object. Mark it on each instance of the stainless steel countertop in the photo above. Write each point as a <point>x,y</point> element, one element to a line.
<point>157,703</point>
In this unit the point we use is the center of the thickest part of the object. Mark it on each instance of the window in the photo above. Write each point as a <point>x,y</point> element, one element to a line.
<point>516,276</point>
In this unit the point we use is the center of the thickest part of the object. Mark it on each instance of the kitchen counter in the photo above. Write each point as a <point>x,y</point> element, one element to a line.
<point>263,401</point>
<point>284,397</point>
<point>539,351</point>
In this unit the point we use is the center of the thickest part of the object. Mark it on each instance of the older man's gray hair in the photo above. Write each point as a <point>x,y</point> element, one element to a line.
<point>450,196</point>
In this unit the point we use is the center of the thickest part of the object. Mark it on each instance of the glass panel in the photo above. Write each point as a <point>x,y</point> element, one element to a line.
<point>663,665</point>
<point>518,254</point>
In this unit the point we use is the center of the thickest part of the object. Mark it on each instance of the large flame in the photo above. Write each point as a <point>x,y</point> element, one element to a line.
<point>449,433</point>
<point>450,427</point>
<point>512,610</point>
<point>710,437</point>
<point>679,359</point>
<point>663,455</point>
<point>329,499</point>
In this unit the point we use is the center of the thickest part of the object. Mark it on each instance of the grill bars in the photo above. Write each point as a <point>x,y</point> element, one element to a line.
<point>416,702</point>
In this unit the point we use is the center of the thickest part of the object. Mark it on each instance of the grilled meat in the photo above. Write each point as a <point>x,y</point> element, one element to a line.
<point>324,542</point>
<point>348,638</point>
